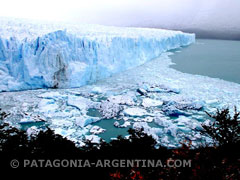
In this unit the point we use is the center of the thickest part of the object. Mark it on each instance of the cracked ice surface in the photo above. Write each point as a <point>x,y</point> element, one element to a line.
<point>37,55</point>
<point>168,104</point>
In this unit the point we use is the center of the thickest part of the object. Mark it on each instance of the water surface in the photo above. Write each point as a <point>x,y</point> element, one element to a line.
<point>213,58</point>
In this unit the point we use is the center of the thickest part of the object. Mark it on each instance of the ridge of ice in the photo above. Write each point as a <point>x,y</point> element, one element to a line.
<point>46,55</point>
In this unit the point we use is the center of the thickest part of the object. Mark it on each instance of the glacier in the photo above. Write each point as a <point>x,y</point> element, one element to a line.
<point>37,55</point>
<point>167,104</point>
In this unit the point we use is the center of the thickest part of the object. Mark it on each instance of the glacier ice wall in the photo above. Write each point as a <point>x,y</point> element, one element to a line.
<point>45,55</point>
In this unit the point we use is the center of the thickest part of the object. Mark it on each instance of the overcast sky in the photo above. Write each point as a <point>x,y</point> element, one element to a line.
<point>201,16</point>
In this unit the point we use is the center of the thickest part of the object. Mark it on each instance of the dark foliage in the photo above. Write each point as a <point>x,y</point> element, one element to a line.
<point>225,130</point>
<point>206,162</point>
<point>3,115</point>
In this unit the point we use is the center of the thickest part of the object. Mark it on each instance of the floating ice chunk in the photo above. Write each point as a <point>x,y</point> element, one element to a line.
<point>79,102</point>
<point>51,95</point>
<point>177,106</point>
<point>172,111</point>
<point>186,130</point>
<point>97,130</point>
<point>113,139</point>
<point>83,121</point>
<point>146,87</point>
<point>186,105</point>
<point>125,124</point>
<point>135,111</point>
<point>26,120</point>
<point>79,143</point>
<point>62,122</point>
<point>148,119</point>
<point>209,140</point>
<point>97,90</point>
<point>196,126</point>
<point>121,99</point>
<point>25,106</point>
<point>127,136</point>
<point>66,113</point>
<point>125,118</point>
<point>148,102</point>
<point>140,125</point>
<point>93,138</point>
<point>163,121</point>
<point>208,122</point>
<point>198,136</point>
<point>110,110</point>
<point>33,131</point>
<point>80,121</point>
<point>164,140</point>
<point>155,88</point>
<point>116,124</point>
<point>191,106</point>
<point>154,132</point>
<point>183,121</point>
<point>212,101</point>
<point>64,132</point>
<point>172,130</point>
<point>30,118</point>
<point>48,107</point>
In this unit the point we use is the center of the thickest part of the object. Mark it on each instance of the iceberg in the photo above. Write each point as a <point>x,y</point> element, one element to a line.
<point>135,111</point>
<point>148,102</point>
<point>52,55</point>
<point>97,130</point>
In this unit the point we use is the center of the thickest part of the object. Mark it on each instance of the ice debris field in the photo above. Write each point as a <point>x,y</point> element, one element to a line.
<point>126,76</point>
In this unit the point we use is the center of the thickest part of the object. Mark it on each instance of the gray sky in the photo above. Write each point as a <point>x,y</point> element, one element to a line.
<point>208,18</point>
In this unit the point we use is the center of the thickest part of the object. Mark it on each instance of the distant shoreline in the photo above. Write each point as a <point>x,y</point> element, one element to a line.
<point>204,33</point>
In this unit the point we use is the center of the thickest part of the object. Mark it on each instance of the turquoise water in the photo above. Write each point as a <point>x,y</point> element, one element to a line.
<point>213,58</point>
<point>112,131</point>
<point>25,126</point>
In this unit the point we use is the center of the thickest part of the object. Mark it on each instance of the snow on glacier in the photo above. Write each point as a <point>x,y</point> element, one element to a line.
<point>49,55</point>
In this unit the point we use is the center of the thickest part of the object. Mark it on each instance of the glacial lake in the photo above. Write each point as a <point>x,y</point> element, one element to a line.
<point>213,58</point>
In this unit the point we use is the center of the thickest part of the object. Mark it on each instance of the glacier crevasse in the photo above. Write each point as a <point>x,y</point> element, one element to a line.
<point>35,55</point>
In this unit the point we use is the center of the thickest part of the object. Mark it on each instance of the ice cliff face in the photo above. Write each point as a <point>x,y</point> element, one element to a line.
<point>44,55</point>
